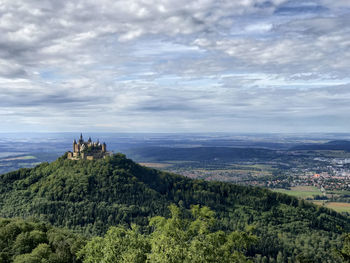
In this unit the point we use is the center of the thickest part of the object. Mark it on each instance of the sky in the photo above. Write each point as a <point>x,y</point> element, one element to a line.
<point>175,65</point>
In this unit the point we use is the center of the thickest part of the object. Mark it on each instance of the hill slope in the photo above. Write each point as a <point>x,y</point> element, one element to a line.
<point>338,145</point>
<point>92,195</point>
<point>223,154</point>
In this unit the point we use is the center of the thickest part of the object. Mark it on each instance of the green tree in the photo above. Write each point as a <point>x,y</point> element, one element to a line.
<point>28,241</point>
<point>178,239</point>
<point>41,254</point>
<point>118,245</point>
<point>280,258</point>
<point>344,252</point>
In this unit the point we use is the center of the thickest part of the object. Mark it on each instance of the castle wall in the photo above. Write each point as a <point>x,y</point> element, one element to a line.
<point>87,150</point>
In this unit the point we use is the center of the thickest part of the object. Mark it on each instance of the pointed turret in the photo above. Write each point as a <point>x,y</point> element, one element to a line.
<point>74,145</point>
<point>88,150</point>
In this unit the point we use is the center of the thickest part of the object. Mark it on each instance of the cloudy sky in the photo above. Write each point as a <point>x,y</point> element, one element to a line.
<point>175,65</point>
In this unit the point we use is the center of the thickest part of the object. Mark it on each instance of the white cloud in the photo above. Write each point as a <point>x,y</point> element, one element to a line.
<point>172,65</point>
<point>259,28</point>
<point>336,4</point>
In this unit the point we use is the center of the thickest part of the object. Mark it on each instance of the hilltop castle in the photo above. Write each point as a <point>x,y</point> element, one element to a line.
<point>87,150</point>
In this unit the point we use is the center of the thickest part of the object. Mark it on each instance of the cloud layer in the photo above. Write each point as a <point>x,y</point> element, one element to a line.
<point>167,66</point>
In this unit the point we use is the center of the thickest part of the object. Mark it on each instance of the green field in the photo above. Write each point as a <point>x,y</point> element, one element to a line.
<point>27,157</point>
<point>301,191</point>
<point>156,165</point>
<point>338,192</point>
<point>310,191</point>
<point>337,206</point>
<point>256,170</point>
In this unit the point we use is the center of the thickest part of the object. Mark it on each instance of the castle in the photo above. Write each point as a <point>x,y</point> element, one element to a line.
<point>87,150</point>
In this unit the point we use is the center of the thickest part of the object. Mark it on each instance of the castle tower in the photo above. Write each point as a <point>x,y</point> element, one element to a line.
<point>87,150</point>
<point>74,145</point>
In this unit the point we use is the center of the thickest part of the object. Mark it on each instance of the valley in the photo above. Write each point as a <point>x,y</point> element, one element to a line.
<point>280,196</point>
<point>109,198</point>
<point>281,163</point>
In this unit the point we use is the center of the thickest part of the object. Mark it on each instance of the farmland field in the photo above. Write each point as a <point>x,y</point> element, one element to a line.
<point>156,165</point>
<point>301,191</point>
<point>337,206</point>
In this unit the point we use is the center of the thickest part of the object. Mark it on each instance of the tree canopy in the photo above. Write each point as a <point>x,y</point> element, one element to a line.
<point>25,241</point>
<point>171,240</point>
<point>91,196</point>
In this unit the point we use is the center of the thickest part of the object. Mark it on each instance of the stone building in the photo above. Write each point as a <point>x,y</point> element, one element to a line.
<point>87,150</point>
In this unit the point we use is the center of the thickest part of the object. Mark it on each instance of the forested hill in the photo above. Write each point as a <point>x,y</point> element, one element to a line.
<point>90,196</point>
<point>223,154</point>
<point>338,145</point>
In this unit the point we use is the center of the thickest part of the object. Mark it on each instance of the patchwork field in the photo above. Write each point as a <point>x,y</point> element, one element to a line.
<point>156,165</point>
<point>27,157</point>
<point>310,192</point>
<point>337,206</point>
<point>301,191</point>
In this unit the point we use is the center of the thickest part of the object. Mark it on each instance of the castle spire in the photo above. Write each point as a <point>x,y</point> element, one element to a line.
<point>74,145</point>
<point>87,150</point>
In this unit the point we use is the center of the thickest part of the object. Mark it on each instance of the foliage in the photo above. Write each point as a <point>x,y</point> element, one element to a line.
<point>173,240</point>
<point>24,241</point>
<point>119,245</point>
<point>343,254</point>
<point>91,196</point>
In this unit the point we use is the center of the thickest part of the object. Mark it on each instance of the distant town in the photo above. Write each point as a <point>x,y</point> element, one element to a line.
<point>320,171</point>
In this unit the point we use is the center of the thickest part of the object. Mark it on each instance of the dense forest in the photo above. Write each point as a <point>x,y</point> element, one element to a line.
<point>187,236</point>
<point>31,241</point>
<point>191,239</point>
<point>338,145</point>
<point>90,197</point>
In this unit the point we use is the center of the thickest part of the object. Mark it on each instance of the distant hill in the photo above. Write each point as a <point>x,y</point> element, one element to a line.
<point>340,145</point>
<point>223,154</point>
<point>90,196</point>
